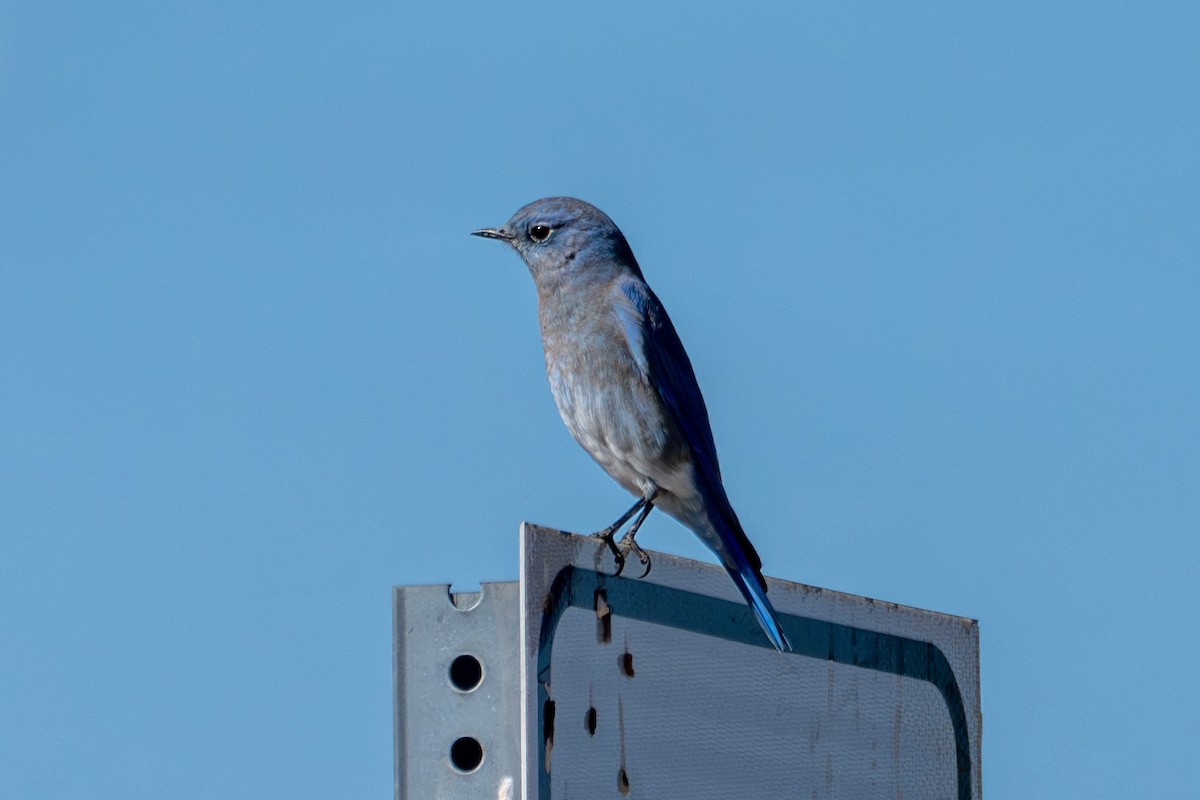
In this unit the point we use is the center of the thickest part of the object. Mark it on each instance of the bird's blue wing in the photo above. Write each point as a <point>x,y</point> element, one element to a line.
<point>660,355</point>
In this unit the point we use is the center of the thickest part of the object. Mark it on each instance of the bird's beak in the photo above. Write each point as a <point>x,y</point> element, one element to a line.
<point>493,233</point>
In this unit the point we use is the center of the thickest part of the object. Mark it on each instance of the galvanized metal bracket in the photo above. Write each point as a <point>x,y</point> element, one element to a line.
<point>458,692</point>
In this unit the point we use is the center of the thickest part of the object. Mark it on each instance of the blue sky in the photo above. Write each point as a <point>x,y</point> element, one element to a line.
<point>935,265</point>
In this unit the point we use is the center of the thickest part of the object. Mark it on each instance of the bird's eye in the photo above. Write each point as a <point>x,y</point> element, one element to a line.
<point>540,233</point>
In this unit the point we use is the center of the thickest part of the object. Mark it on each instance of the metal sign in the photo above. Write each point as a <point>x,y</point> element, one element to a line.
<point>665,687</point>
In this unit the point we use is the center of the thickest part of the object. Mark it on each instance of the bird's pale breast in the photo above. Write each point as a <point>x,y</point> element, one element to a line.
<point>607,403</point>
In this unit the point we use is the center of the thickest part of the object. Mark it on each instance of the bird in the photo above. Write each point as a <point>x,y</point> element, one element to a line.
<point>625,387</point>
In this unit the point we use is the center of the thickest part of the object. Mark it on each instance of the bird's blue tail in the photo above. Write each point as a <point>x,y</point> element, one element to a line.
<point>750,581</point>
<point>737,554</point>
<point>728,540</point>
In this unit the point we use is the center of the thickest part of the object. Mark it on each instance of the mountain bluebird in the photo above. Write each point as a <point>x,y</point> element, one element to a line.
<point>625,387</point>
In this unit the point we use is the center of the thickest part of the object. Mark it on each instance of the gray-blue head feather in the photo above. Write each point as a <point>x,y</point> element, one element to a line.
<point>561,237</point>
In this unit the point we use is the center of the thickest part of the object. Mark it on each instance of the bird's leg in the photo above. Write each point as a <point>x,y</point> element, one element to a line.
<point>629,545</point>
<point>609,533</point>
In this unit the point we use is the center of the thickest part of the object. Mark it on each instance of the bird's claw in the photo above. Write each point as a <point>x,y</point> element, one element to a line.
<point>629,545</point>
<point>608,536</point>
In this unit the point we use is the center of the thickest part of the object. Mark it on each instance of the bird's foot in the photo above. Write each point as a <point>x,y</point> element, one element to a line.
<point>608,536</point>
<point>629,545</point>
<point>642,508</point>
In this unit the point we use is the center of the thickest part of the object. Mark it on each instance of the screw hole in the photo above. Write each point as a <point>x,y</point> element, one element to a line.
<point>548,726</point>
<point>626,664</point>
<point>466,754</point>
<point>603,617</point>
<point>466,673</point>
<point>590,721</point>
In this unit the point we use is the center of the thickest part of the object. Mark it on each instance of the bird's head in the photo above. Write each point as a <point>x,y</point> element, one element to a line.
<point>561,237</point>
